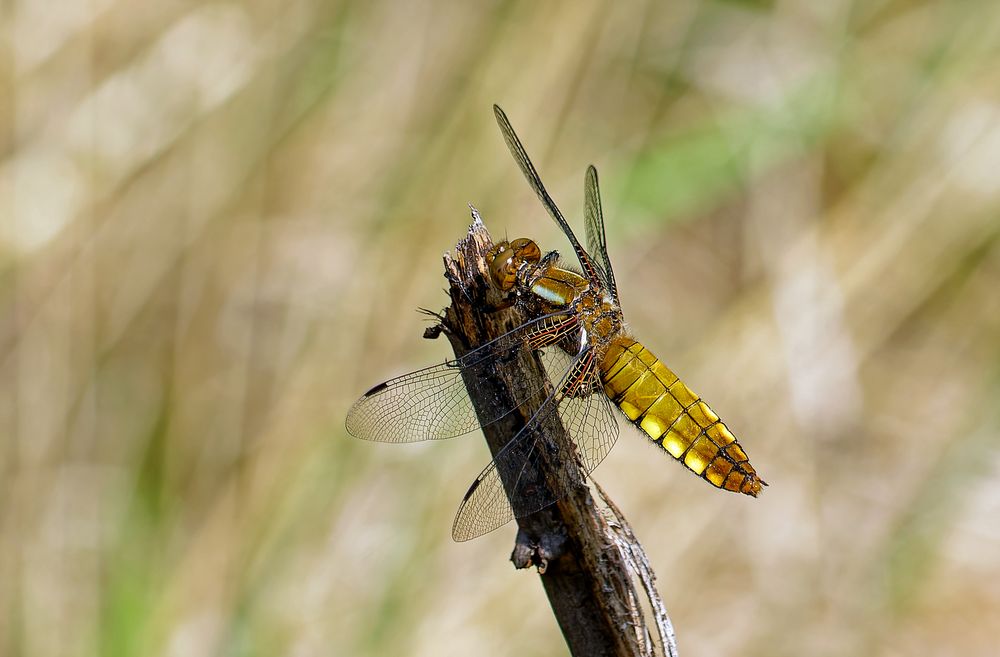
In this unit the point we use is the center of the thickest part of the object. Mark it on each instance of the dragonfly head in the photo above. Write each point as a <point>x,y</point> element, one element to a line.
<point>507,258</point>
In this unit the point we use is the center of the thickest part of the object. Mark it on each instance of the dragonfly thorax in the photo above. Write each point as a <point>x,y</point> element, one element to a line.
<point>518,267</point>
<point>600,318</point>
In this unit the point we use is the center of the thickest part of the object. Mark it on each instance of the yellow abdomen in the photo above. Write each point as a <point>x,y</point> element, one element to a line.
<point>676,419</point>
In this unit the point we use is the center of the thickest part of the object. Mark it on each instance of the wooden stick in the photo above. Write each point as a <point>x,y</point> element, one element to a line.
<point>579,557</point>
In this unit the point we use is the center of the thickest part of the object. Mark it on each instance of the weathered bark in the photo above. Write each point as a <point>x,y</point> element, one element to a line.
<point>584,562</point>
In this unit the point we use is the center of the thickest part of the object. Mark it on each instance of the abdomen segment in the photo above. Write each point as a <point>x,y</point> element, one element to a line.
<point>676,419</point>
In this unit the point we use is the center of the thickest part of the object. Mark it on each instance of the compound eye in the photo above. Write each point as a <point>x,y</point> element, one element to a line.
<point>526,250</point>
<point>503,269</point>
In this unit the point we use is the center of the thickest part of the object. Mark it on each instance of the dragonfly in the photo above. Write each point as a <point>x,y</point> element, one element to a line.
<point>592,362</point>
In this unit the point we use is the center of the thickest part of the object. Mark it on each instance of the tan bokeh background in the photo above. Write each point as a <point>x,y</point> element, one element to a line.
<point>218,220</point>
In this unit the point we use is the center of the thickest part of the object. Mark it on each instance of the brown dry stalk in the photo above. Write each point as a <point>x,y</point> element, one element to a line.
<point>585,562</point>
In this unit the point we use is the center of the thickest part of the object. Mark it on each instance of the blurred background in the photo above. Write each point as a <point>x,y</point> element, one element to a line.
<point>217,221</point>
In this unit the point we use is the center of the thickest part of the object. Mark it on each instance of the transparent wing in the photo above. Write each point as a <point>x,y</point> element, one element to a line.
<point>531,175</point>
<point>597,243</point>
<point>590,422</point>
<point>556,362</point>
<point>433,403</point>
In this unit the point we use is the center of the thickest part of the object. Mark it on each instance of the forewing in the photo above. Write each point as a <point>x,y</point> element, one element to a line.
<point>590,422</point>
<point>597,243</point>
<point>531,175</point>
<point>433,403</point>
